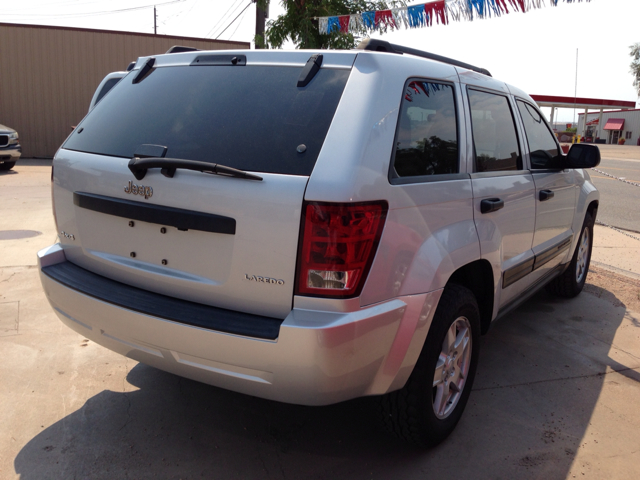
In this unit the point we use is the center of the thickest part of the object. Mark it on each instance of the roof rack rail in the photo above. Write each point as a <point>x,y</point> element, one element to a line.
<point>383,46</point>
<point>180,49</point>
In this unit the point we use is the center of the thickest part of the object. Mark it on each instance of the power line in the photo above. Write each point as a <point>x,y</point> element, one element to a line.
<point>88,14</point>
<point>225,29</point>
<point>238,25</point>
<point>236,4</point>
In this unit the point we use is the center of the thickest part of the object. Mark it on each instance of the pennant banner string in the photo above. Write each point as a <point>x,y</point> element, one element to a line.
<point>441,12</point>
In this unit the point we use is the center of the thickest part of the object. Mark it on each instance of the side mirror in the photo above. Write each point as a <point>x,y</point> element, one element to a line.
<point>582,155</point>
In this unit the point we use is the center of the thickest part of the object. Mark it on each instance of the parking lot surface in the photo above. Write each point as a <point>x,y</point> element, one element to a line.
<point>556,395</point>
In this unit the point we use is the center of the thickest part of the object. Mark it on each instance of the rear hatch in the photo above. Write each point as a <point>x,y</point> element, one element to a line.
<point>219,240</point>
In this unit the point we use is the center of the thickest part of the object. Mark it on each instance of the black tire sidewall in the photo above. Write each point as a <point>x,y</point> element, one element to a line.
<point>587,225</point>
<point>456,302</point>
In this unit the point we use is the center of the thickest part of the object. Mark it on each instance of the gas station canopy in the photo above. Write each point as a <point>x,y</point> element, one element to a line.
<point>580,102</point>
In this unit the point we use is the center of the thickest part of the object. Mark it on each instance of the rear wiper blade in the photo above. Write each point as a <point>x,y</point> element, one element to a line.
<point>139,167</point>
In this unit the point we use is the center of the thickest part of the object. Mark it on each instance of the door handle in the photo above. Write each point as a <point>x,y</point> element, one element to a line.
<point>546,195</point>
<point>491,205</point>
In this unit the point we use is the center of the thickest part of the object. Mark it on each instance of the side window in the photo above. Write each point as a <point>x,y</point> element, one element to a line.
<point>494,133</point>
<point>427,136</point>
<point>542,145</point>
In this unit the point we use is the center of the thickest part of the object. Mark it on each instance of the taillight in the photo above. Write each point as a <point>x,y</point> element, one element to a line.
<point>337,246</point>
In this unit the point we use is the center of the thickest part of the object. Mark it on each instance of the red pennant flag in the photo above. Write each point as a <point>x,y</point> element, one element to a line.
<point>438,10</point>
<point>518,3</point>
<point>502,6</point>
<point>385,18</point>
<point>344,23</point>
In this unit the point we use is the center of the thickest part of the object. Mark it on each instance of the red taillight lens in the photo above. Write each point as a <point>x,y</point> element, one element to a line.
<point>337,246</point>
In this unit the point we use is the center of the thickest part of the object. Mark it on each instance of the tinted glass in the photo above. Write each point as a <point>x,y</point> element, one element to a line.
<point>494,133</point>
<point>252,118</point>
<point>109,84</point>
<point>542,145</point>
<point>427,137</point>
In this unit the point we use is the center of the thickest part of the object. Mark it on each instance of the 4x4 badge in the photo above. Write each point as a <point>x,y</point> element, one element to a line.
<point>134,189</point>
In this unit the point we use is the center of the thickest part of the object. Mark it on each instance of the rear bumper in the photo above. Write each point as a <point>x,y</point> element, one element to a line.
<point>318,357</point>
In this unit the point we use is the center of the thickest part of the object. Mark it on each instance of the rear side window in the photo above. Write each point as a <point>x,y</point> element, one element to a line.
<point>494,133</point>
<point>542,145</point>
<point>253,118</point>
<point>427,136</point>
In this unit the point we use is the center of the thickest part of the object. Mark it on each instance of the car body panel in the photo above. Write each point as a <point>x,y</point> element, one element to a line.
<point>319,357</point>
<point>218,274</point>
<point>327,349</point>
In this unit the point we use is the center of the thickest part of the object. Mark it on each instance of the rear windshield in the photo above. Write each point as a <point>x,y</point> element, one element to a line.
<point>253,118</point>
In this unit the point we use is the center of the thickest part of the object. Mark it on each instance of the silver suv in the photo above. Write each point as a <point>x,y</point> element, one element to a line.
<point>311,227</point>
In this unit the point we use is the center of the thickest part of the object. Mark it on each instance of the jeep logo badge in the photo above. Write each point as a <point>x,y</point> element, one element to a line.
<point>134,189</point>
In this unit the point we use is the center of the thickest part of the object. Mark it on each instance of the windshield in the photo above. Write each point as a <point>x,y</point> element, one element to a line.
<point>252,118</point>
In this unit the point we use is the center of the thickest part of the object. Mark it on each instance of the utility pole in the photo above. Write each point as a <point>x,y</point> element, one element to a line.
<point>261,15</point>
<point>155,17</point>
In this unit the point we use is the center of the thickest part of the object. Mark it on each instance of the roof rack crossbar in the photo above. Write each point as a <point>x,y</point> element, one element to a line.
<point>384,46</point>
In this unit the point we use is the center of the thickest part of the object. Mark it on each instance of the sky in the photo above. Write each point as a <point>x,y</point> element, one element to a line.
<point>535,51</point>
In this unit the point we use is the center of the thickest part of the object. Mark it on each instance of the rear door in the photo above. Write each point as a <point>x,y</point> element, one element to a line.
<point>503,191</point>
<point>555,196</point>
<point>214,239</point>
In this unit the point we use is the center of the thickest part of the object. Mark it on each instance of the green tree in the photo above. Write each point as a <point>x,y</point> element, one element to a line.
<point>300,24</point>
<point>635,65</point>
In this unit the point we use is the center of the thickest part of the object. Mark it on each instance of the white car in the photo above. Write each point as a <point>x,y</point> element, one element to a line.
<point>10,149</point>
<point>315,226</point>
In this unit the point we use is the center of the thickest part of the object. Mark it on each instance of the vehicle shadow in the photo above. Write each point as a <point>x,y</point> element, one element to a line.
<point>540,376</point>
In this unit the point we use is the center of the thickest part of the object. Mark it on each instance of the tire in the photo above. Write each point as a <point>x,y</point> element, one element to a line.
<point>571,282</point>
<point>6,166</point>
<point>426,410</point>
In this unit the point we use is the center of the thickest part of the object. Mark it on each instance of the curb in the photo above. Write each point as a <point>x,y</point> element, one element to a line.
<point>612,269</point>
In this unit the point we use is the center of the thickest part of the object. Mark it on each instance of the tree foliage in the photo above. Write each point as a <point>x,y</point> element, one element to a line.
<point>300,24</point>
<point>635,65</point>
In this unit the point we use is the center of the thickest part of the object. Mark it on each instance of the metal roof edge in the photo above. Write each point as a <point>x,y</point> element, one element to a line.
<point>124,32</point>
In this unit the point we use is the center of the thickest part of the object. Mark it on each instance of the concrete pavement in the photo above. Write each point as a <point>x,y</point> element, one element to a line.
<point>616,250</point>
<point>556,394</point>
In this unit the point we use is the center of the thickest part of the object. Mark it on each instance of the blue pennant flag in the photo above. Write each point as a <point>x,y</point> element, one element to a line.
<point>333,25</point>
<point>369,19</point>
<point>416,16</point>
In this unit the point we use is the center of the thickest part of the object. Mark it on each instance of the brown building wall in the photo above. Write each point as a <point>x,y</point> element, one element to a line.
<point>48,75</point>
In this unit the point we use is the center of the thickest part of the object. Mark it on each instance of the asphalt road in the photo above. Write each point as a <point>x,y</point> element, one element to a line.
<point>619,201</point>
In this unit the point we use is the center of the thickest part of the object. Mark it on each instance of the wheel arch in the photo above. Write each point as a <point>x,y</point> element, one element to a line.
<point>592,209</point>
<point>477,276</point>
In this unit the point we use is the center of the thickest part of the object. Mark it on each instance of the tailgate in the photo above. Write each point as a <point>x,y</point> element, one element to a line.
<point>215,240</point>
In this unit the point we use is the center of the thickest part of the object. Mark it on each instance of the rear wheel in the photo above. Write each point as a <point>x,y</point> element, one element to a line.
<point>426,410</point>
<point>7,165</point>
<point>572,280</point>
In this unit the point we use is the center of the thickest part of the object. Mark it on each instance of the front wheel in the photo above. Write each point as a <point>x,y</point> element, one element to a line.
<point>7,165</point>
<point>571,282</point>
<point>426,410</point>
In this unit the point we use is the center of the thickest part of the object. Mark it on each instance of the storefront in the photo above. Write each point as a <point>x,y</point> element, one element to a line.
<point>614,128</point>
<point>614,121</point>
<point>618,127</point>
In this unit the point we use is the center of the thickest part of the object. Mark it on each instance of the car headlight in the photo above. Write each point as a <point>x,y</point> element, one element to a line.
<point>13,138</point>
